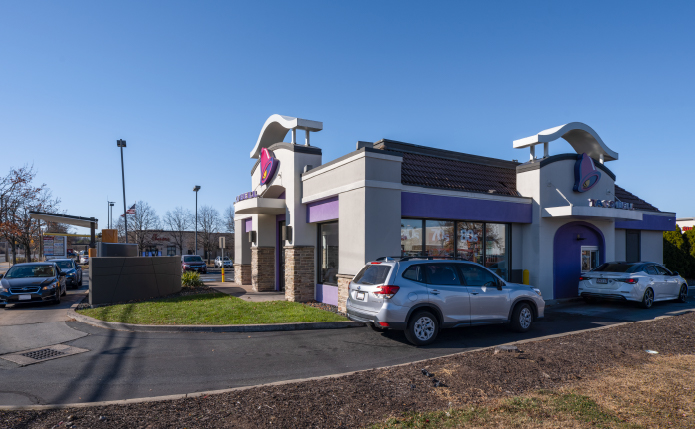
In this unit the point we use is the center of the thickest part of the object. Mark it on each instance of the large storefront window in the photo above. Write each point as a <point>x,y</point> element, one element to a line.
<point>411,237</point>
<point>469,243</point>
<point>439,238</point>
<point>496,252</point>
<point>328,255</point>
<point>487,244</point>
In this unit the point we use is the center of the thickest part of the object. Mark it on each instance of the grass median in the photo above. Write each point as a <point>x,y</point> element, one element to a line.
<point>210,309</point>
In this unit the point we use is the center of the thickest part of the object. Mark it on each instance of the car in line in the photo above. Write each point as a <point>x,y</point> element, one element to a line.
<point>421,296</point>
<point>227,262</point>
<point>73,272</point>
<point>193,263</point>
<point>642,282</point>
<point>84,258</point>
<point>32,282</point>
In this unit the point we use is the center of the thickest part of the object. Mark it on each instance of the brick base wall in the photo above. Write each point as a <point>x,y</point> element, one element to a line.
<point>343,284</point>
<point>242,274</point>
<point>299,273</point>
<point>263,269</point>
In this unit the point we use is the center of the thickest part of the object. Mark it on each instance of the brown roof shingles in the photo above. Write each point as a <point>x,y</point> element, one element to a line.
<point>638,203</point>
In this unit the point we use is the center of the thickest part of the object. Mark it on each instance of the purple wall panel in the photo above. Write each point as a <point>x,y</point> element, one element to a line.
<point>327,294</point>
<point>650,223</point>
<point>249,224</point>
<point>323,210</point>
<point>442,207</point>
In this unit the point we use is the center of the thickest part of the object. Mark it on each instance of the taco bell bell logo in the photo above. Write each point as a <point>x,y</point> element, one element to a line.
<point>586,176</point>
<point>268,166</point>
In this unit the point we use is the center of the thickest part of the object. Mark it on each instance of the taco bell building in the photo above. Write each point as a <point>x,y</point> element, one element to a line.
<point>309,226</point>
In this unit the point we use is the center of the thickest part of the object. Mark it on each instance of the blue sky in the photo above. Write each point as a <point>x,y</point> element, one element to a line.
<point>189,85</point>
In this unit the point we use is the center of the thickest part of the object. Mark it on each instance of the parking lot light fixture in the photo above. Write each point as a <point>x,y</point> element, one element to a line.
<point>121,143</point>
<point>196,189</point>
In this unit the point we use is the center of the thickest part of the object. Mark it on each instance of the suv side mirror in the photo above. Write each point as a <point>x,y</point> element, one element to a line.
<point>675,273</point>
<point>2,275</point>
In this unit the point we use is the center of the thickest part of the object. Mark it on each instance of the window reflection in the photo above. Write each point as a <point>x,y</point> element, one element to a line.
<point>440,238</point>
<point>469,243</point>
<point>328,257</point>
<point>496,253</point>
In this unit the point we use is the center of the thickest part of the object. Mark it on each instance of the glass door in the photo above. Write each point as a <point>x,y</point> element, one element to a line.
<point>282,257</point>
<point>589,258</point>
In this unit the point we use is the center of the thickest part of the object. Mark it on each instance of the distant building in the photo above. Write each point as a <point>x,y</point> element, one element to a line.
<point>686,223</point>
<point>166,243</point>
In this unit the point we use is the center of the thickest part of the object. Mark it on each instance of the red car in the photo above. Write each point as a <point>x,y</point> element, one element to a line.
<point>193,263</point>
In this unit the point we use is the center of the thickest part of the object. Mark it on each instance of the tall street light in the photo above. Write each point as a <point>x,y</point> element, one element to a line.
<point>196,189</point>
<point>121,144</point>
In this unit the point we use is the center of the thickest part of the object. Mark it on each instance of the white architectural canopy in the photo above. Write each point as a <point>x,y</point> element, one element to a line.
<point>581,136</point>
<point>276,127</point>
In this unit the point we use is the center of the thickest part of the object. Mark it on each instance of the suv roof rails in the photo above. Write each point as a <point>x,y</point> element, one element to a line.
<point>424,258</point>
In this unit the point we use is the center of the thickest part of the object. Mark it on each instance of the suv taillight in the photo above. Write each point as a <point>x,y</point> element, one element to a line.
<point>386,291</point>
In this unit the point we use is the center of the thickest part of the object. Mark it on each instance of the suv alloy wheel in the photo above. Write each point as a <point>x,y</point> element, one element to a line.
<point>522,317</point>
<point>422,329</point>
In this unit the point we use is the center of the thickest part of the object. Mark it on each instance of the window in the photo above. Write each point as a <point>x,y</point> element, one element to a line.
<point>496,256</point>
<point>328,255</point>
<point>477,276</point>
<point>589,259</point>
<point>411,237</point>
<point>171,250</point>
<point>440,238</point>
<point>662,271</point>
<point>633,246</point>
<point>414,273</point>
<point>651,270</point>
<point>442,274</point>
<point>373,275</point>
<point>470,241</point>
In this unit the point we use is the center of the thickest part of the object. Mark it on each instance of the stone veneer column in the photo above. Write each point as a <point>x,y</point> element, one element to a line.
<point>242,274</point>
<point>343,284</point>
<point>263,269</point>
<point>299,273</point>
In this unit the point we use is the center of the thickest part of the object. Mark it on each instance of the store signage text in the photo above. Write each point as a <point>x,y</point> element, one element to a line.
<point>246,196</point>
<point>610,204</point>
<point>155,237</point>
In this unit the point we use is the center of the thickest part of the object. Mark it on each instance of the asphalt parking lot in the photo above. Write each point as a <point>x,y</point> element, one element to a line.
<point>123,365</point>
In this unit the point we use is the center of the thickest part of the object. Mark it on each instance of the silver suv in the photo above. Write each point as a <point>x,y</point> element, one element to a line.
<point>422,296</point>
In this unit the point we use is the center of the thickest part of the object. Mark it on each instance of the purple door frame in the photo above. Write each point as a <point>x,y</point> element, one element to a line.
<point>567,255</point>
<point>278,248</point>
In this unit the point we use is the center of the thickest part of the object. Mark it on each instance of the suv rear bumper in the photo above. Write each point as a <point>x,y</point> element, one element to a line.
<point>364,317</point>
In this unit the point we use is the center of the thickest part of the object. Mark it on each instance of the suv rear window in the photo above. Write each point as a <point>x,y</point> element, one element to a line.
<point>373,275</point>
<point>618,268</point>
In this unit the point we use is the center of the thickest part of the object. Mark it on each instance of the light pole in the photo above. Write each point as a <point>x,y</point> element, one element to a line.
<point>196,189</point>
<point>121,144</point>
<point>110,222</point>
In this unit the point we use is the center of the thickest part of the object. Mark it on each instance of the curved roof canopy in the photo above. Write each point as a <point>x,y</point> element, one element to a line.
<point>276,127</point>
<point>581,136</point>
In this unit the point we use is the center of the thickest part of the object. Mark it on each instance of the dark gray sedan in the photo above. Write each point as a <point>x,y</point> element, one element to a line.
<point>32,282</point>
<point>73,272</point>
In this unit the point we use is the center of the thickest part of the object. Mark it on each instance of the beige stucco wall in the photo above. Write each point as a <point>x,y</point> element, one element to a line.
<point>653,246</point>
<point>620,245</point>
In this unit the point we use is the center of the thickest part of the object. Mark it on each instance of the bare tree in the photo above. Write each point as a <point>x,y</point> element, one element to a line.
<point>210,224</point>
<point>178,222</point>
<point>228,219</point>
<point>120,227</point>
<point>13,190</point>
<point>143,220</point>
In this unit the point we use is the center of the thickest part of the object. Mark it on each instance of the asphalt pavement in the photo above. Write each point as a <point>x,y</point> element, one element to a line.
<point>126,365</point>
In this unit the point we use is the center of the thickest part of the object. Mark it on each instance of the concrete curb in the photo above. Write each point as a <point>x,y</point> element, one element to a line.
<point>300,380</point>
<point>131,327</point>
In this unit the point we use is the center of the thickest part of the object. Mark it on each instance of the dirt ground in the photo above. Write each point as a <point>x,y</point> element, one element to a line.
<point>370,397</point>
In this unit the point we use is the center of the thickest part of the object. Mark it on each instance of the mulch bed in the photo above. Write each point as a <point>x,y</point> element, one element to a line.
<point>324,306</point>
<point>366,397</point>
<point>185,291</point>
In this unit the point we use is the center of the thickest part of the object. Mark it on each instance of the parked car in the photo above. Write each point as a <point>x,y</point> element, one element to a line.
<point>84,258</point>
<point>32,282</point>
<point>193,263</point>
<point>227,262</point>
<point>643,282</point>
<point>73,272</point>
<point>423,296</point>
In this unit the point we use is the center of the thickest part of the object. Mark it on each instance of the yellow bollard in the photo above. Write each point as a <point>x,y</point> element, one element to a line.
<point>223,271</point>
<point>525,279</point>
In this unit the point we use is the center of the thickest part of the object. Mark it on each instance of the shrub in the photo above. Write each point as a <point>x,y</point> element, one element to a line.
<point>677,253</point>
<point>191,279</point>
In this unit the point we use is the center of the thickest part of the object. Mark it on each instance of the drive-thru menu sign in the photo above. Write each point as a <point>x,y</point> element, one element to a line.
<point>54,247</point>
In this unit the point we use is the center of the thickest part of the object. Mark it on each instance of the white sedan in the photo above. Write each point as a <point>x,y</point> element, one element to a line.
<point>643,282</point>
<point>227,262</point>
<point>84,259</point>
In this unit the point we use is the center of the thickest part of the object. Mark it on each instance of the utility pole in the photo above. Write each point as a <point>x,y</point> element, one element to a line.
<point>121,144</point>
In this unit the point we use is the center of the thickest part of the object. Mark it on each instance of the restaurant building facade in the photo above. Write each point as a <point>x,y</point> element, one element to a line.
<point>307,227</point>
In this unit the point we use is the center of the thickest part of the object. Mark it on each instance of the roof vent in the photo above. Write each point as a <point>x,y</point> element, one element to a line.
<point>361,144</point>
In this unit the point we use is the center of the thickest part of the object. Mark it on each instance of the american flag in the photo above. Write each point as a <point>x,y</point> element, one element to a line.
<point>130,210</point>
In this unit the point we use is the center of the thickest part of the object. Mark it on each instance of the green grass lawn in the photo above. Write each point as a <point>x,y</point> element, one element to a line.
<point>210,309</point>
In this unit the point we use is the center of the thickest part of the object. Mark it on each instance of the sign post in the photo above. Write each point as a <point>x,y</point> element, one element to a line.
<point>222,247</point>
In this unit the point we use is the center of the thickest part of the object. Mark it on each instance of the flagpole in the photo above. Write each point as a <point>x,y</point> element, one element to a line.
<point>121,144</point>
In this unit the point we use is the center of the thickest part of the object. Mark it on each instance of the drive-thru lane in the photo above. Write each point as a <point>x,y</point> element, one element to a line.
<point>124,365</point>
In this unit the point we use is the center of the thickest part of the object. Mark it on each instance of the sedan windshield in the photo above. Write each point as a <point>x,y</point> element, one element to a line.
<point>24,271</point>
<point>619,267</point>
<point>192,259</point>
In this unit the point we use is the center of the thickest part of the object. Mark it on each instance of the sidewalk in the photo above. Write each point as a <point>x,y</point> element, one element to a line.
<point>245,292</point>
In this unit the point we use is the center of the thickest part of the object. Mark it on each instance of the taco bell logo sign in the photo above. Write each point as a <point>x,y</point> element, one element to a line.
<point>268,166</point>
<point>586,176</point>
